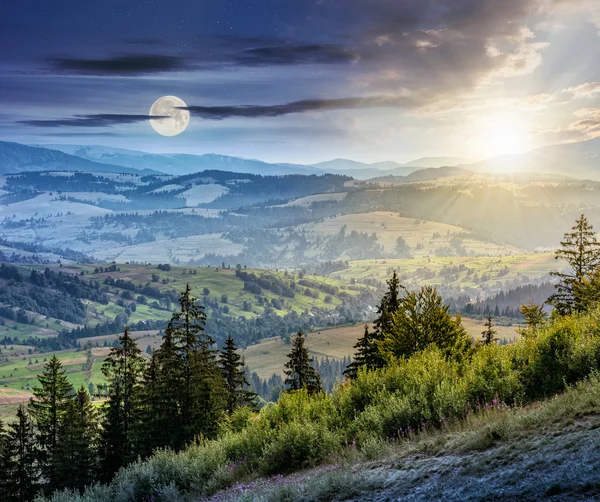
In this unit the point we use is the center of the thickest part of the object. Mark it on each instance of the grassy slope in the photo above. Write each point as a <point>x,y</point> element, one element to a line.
<point>389,226</point>
<point>545,451</point>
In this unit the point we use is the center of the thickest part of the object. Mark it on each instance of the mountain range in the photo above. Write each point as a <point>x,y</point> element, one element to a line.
<point>579,160</point>
<point>16,158</point>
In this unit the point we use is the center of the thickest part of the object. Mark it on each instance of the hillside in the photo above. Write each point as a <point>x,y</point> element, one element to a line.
<point>545,451</point>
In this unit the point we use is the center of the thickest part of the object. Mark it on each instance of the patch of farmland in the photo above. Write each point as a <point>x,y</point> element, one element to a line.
<point>202,194</point>
<point>46,205</point>
<point>167,188</point>
<point>183,249</point>
<point>309,200</point>
<point>98,196</point>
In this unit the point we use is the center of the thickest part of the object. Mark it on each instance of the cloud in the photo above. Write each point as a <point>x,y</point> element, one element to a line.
<point>290,54</point>
<point>139,64</point>
<point>95,120</point>
<point>308,105</point>
<point>587,126</point>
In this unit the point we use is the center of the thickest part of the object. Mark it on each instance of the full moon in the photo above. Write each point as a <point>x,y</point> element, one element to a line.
<point>173,119</point>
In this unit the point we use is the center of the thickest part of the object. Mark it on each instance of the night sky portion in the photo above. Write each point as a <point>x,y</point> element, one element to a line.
<point>302,80</point>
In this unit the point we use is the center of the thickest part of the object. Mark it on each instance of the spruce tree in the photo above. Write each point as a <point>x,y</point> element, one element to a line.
<point>48,407</point>
<point>488,335</point>
<point>21,473</point>
<point>78,443</point>
<point>367,353</point>
<point>161,405</point>
<point>234,377</point>
<point>123,369</point>
<point>187,362</point>
<point>299,372</point>
<point>581,250</point>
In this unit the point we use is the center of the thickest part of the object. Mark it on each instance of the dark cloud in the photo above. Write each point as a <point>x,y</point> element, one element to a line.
<point>138,64</point>
<point>282,55</point>
<point>308,105</point>
<point>96,120</point>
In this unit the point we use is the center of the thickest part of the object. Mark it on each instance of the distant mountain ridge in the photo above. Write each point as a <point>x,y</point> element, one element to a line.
<point>16,158</point>
<point>575,160</point>
<point>179,164</point>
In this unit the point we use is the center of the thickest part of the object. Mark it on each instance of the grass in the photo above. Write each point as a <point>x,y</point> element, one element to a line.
<point>17,374</point>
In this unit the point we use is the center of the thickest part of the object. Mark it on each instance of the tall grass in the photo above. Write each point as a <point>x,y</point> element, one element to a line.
<point>422,393</point>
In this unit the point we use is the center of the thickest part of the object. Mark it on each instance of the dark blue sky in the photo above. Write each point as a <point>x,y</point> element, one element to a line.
<point>303,81</point>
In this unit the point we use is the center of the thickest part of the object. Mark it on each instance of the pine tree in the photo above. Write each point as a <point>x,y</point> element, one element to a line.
<point>77,443</point>
<point>48,407</point>
<point>201,394</point>
<point>367,353</point>
<point>20,465</point>
<point>123,369</point>
<point>581,250</point>
<point>488,335</point>
<point>299,372</point>
<point>234,376</point>
<point>160,403</point>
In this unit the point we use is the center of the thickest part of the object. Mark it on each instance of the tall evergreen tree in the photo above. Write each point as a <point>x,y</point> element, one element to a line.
<point>201,395</point>
<point>161,406</point>
<point>123,369</point>
<point>78,443</point>
<point>299,371</point>
<point>581,250</point>
<point>21,474</point>
<point>488,335</point>
<point>367,353</point>
<point>234,377</point>
<point>48,407</point>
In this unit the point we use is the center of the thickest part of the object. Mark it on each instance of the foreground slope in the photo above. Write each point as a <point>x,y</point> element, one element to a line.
<point>545,451</point>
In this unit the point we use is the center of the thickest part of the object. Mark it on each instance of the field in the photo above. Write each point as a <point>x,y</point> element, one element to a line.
<point>423,237</point>
<point>481,272</point>
<point>171,250</point>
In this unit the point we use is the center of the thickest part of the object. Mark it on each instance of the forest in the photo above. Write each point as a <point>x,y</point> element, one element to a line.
<point>416,370</point>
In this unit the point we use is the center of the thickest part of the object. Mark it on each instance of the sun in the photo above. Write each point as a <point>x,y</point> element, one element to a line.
<point>500,134</point>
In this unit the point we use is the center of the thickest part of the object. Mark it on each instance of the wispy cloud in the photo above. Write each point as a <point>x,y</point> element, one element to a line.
<point>93,120</point>
<point>303,106</point>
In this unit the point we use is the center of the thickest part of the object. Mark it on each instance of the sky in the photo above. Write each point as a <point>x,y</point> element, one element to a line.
<point>304,81</point>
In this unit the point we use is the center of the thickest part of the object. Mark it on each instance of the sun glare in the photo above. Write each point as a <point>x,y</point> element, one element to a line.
<point>500,134</point>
